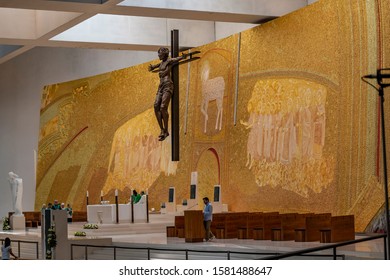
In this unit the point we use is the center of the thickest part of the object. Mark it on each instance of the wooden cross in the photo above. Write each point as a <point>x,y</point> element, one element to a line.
<point>175,116</point>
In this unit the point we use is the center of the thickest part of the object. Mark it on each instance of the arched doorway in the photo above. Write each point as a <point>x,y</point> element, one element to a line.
<point>208,169</point>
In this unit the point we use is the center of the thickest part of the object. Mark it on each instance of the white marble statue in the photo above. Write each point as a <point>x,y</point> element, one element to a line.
<point>17,192</point>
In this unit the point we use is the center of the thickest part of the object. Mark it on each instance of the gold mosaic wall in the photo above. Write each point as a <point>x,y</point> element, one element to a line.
<point>276,115</point>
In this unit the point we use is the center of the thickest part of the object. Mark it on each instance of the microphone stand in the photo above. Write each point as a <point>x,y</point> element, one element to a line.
<point>382,100</point>
<point>116,208</point>
<point>379,76</point>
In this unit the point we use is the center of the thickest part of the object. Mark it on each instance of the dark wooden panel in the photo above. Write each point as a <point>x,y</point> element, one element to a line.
<point>313,225</point>
<point>342,228</point>
<point>179,226</point>
<point>79,216</point>
<point>193,224</point>
<point>270,221</point>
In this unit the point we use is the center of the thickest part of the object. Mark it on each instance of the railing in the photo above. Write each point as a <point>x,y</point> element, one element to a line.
<point>186,252</point>
<point>149,251</point>
<point>334,247</point>
<point>24,241</point>
<point>274,255</point>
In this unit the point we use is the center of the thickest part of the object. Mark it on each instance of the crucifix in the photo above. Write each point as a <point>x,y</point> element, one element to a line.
<point>169,88</point>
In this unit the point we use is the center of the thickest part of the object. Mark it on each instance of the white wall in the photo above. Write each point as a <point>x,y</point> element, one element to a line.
<point>21,83</point>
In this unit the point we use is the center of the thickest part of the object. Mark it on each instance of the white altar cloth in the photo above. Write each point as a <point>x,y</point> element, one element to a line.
<point>108,214</point>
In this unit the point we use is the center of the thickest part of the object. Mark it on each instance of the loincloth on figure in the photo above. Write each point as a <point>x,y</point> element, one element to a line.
<point>163,95</point>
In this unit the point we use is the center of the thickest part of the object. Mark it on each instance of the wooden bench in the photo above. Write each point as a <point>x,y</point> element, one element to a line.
<point>342,228</point>
<point>33,218</point>
<point>314,224</point>
<point>310,230</point>
<point>38,217</point>
<point>179,226</point>
<point>171,231</point>
<point>242,226</point>
<point>218,225</point>
<point>254,220</point>
<point>226,225</point>
<point>219,233</point>
<point>288,223</point>
<point>79,216</point>
<point>255,224</point>
<point>283,226</point>
<point>257,233</point>
<point>271,222</point>
<point>233,220</point>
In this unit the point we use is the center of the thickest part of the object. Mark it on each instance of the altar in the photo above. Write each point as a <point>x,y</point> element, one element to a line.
<point>101,214</point>
<point>106,213</point>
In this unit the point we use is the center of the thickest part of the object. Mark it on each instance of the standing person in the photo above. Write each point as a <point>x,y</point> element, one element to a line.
<point>207,218</point>
<point>69,211</point>
<point>56,205</point>
<point>165,89</point>
<point>135,197</point>
<point>6,250</point>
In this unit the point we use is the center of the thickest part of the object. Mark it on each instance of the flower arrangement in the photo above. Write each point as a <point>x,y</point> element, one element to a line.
<point>51,242</point>
<point>90,226</point>
<point>51,237</point>
<point>6,225</point>
<point>48,254</point>
<point>80,233</point>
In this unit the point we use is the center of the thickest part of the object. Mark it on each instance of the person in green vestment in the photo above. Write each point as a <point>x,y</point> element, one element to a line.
<point>135,197</point>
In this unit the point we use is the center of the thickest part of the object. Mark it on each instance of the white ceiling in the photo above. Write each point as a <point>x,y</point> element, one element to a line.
<point>129,24</point>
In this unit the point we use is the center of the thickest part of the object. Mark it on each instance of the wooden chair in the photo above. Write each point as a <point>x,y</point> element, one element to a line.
<point>342,228</point>
<point>310,231</point>
<point>179,226</point>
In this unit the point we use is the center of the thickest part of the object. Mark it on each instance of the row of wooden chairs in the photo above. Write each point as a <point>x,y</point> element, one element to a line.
<point>274,226</point>
<point>33,218</point>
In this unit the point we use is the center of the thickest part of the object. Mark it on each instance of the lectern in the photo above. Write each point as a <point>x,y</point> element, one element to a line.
<point>193,226</point>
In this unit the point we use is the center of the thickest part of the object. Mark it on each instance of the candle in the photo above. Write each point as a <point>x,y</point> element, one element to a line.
<point>101,193</point>
<point>87,193</point>
<point>116,192</point>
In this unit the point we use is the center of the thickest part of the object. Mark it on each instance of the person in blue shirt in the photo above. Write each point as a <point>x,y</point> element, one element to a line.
<point>207,218</point>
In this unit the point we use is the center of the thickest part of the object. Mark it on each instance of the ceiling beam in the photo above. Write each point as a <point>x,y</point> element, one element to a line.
<point>209,13</point>
<point>84,24</point>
